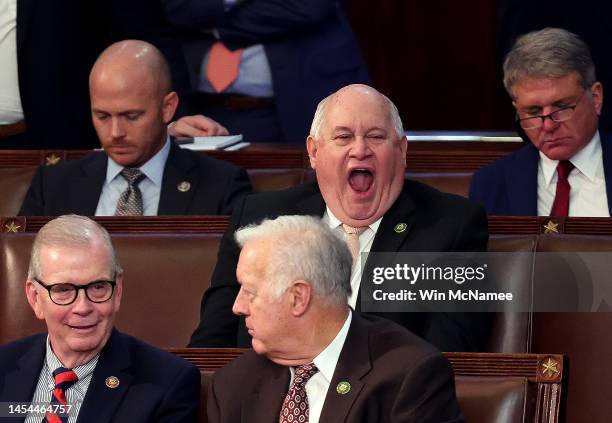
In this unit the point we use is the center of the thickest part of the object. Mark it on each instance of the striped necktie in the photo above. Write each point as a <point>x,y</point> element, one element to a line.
<point>64,379</point>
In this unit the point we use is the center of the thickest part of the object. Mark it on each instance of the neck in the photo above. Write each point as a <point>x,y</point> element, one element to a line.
<point>316,334</point>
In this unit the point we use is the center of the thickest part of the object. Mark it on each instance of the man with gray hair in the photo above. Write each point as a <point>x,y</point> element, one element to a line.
<point>357,149</point>
<point>83,368</point>
<point>313,359</point>
<point>563,171</point>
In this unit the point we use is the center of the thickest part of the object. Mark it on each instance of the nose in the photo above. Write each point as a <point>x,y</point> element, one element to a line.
<point>240,307</point>
<point>117,128</point>
<point>360,148</point>
<point>82,305</point>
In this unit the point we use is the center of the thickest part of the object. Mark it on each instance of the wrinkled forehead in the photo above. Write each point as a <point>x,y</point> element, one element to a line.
<point>357,110</point>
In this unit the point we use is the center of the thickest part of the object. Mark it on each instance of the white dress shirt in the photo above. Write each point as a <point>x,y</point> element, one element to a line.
<point>150,186</point>
<point>326,361</point>
<point>10,101</point>
<point>587,181</point>
<point>366,238</point>
<point>74,395</point>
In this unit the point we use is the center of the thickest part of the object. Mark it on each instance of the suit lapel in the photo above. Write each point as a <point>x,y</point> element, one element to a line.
<point>606,153</point>
<point>19,385</point>
<point>353,364</point>
<point>521,180</point>
<point>88,186</point>
<point>395,225</point>
<point>101,402</point>
<point>268,395</point>
<point>173,201</point>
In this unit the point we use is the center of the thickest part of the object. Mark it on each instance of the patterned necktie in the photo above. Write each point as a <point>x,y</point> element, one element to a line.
<point>295,406</point>
<point>223,66</point>
<point>64,379</point>
<point>351,236</point>
<point>560,206</point>
<point>130,201</point>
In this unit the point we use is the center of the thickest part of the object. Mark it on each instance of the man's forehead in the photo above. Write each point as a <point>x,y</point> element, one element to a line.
<point>345,112</point>
<point>546,89</point>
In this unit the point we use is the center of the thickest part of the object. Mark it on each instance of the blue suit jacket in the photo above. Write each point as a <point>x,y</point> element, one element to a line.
<point>154,386</point>
<point>309,44</point>
<point>509,186</point>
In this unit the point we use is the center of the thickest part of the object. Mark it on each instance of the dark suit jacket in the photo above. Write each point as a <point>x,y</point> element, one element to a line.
<point>309,44</point>
<point>394,377</point>
<point>75,186</point>
<point>436,222</point>
<point>154,386</point>
<point>509,186</point>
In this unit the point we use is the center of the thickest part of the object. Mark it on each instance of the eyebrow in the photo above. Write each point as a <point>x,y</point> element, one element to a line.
<point>563,100</point>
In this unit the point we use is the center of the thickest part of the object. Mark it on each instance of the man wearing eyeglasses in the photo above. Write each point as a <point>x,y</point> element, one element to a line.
<point>551,78</point>
<point>83,368</point>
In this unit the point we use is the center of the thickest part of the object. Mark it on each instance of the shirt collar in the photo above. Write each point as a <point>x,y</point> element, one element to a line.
<point>153,168</point>
<point>328,358</point>
<point>586,161</point>
<point>334,222</point>
<point>54,363</point>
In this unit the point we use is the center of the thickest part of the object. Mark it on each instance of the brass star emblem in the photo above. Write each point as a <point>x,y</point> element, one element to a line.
<point>551,227</point>
<point>52,159</point>
<point>12,227</point>
<point>549,368</point>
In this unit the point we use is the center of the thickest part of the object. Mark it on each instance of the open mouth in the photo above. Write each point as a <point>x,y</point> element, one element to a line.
<point>361,180</point>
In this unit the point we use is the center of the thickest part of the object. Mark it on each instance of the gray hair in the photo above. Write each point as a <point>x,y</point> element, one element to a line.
<point>304,248</point>
<point>319,116</point>
<point>548,53</point>
<point>70,231</point>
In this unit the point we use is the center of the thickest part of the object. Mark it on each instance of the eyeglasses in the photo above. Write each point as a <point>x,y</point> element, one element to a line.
<point>559,115</point>
<point>66,293</point>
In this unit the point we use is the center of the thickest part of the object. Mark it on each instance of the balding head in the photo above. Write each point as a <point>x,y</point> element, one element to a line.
<point>133,58</point>
<point>131,101</point>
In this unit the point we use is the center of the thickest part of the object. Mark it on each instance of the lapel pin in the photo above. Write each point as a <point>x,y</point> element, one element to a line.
<point>400,227</point>
<point>112,382</point>
<point>183,186</point>
<point>343,387</point>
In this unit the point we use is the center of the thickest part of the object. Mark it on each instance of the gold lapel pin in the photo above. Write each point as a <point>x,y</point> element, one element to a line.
<point>183,186</point>
<point>343,387</point>
<point>112,382</point>
<point>400,227</point>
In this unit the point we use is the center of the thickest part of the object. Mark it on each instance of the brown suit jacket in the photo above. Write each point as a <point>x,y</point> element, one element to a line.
<point>394,376</point>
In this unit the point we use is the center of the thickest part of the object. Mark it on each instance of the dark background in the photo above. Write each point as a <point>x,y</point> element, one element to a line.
<point>440,61</point>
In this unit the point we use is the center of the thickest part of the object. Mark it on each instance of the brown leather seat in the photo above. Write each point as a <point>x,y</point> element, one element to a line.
<point>583,337</point>
<point>454,183</point>
<point>165,275</point>
<point>511,331</point>
<point>494,399</point>
<point>14,183</point>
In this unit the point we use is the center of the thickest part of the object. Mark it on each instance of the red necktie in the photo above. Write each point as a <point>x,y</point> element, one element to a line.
<point>560,207</point>
<point>64,379</point>
<point>295,407</point>
<point>223,66</point>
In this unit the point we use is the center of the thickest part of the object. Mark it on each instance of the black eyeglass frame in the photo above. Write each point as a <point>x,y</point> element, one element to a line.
<point>550,115</point>
<point>77,288</point>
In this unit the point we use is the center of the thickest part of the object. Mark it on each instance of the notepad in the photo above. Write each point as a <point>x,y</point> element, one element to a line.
<point>211,143</point>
